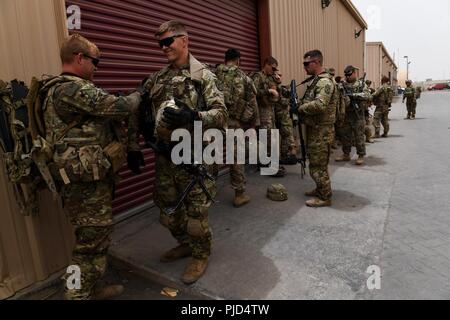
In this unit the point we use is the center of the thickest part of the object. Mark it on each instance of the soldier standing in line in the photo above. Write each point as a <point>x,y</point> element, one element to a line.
<point>356,92</point>
<point>369,119</point>
<point>382,99</point>
<point>317,110</point>
<point>80,123</point>
<point>267,97</point>
<point>411,101</point>
<point>240,100</point>
<point>284,123</point>
<point>182,93</point>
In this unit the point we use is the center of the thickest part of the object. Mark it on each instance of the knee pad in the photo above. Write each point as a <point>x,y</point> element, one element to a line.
<point>195,228</point>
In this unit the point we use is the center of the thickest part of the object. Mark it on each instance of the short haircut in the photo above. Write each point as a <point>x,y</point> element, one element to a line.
<point>270,61</point>
<point>385,79</point>
<point>232,54</point>
<point>174,26</point>
<point>314,54</point>
<point>75,44</point>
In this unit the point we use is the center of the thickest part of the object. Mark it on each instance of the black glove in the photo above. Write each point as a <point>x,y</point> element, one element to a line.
<point>135,160</point>
<point>181,117</point>
<point>141,87</point>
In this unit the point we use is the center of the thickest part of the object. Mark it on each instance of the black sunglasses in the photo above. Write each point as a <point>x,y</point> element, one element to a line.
<point>95,61</point>
<point>307,63</point>
<point>167,42</point>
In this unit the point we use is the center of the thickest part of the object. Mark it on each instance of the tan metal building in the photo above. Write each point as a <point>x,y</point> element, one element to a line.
<point>297,26</point>
<point>379,63</point>
<point>33,248</point>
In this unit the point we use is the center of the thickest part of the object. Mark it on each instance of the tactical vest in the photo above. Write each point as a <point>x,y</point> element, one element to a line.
<point>329,116</point>
<point>82,148</point>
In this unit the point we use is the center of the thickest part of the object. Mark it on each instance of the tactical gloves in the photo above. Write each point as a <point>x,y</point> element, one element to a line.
<point>177,118</point>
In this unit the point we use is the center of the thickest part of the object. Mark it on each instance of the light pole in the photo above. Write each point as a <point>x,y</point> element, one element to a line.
<point>407,66</point>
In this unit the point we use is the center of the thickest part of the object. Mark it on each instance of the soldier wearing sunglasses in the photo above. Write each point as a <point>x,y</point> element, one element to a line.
<point>187,80</point>
<point>79,123</point>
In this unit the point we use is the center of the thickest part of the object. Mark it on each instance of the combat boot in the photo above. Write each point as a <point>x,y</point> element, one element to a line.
<point>359,161</point>
<point>376,136</point>
<point>180,252</point>
<point>343,158</point>
<point>240,199</point>
<point>108,292</point>
<point>194,270</point>
<point>281,173</point>
<point>385,135</point>
<point>317,203</point>
<point>312,193</point>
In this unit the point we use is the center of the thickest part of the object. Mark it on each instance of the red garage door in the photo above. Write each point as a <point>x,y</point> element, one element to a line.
<point>124,31</point>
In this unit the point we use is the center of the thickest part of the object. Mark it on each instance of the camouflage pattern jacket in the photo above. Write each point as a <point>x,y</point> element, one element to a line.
<point>185,84</point>
<point>409,95</point>
<point>382,98</point>
<point>361,94</point>
<point>318,105</point>
<point>263,83</point>
<point>80,154</point>
<point>239,94</point>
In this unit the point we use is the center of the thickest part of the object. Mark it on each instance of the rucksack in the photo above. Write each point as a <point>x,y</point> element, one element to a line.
<point>26,151</point>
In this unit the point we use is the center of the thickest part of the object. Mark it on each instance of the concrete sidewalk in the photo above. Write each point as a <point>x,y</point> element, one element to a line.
<point>271,250</point>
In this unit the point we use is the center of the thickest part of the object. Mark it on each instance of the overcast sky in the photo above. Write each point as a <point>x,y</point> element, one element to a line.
<point>419,29</point>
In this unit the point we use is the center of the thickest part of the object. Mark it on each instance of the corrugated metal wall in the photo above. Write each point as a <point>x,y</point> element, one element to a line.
<point>300,26</point>
<point>373,67</point>
<point>31,248</point>
<point>379,64</point>
<point>124,32</point>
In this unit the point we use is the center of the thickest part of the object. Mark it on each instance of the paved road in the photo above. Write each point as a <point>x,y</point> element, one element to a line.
<point>393,213</point>
<point>416,244</point>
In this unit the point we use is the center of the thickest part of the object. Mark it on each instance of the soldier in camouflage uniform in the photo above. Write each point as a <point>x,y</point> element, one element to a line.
<point>267,97</point>
<point>189,81</point>
<point>317,110</point>
<point>369,119</point>
<point>382,99</point>
<point>240,100</point>
<point>283,122</point>
<point>411,101</point>
<point>79,121</point>
<point>354,124</point>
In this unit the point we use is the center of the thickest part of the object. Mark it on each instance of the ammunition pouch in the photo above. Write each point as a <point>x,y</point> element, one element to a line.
<point>80,164</point>
<point>115,152</point>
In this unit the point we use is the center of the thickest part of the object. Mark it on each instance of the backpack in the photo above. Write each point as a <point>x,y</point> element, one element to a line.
<point>22,138</point>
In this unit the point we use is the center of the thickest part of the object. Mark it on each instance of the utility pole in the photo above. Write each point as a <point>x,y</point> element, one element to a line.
<point>407,66</point>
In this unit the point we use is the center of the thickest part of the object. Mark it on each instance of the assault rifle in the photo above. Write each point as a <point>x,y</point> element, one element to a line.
<point>294,109</point>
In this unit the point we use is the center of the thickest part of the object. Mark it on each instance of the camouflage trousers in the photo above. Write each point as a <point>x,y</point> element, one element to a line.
<point>319,140</point>
<point>267,119</point>
<point>89,207</point>
<point>368,128</point>
<point>284,124</point>
<point>381,117</point>
<point>189,225</point>
<point>353,133</point>
<point>411,108</point>
<point>237,171</point>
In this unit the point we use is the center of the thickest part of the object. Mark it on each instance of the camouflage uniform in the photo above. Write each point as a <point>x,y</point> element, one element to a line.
<point>284,122</point>
<point>240,100</point>
<point>81,165</point>
<point>411,101</point>
<point>189,225</point>
<point>318,112</point>
<point>382,99</point>
<point>266,102</point>
<point>354,125</point>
